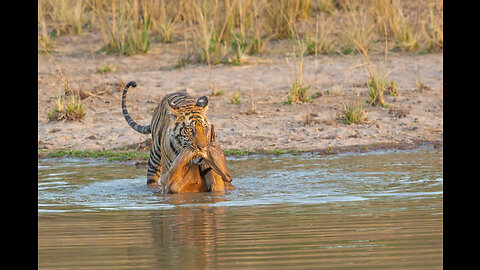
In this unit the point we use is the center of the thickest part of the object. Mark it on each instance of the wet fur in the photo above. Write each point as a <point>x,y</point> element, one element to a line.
<point>184,156</point>
<point>185,176</point>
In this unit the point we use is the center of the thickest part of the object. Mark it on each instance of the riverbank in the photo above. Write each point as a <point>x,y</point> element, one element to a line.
<point>141,156</point>
<point>260,120</point>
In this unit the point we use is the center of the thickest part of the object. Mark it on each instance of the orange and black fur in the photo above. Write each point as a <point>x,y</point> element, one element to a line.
<point>178,123</point>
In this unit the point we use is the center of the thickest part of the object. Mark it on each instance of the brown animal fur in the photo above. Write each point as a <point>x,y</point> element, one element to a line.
<point>211,175</point>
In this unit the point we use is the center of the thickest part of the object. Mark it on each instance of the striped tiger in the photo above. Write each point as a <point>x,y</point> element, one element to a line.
<point>178,122</point>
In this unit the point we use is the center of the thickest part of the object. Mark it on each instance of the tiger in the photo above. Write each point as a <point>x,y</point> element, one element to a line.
<point>178,122</point>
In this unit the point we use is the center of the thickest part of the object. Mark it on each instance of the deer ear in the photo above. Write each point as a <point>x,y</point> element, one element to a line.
<point>213,136</point>
<point>202,102</point>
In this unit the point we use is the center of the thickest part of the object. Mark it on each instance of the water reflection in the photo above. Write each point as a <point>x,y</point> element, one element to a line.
<point>375,211</point>
<point>342,235</point>
<point>188,237</point>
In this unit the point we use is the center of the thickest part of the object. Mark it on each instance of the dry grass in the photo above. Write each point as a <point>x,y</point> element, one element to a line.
<point>164,17</point>
<point>43,36</point>
<point>377,82</point>
<point>432,26</point>
<point>235,99</point>
<point>299,90</point>
<point>227,31</point>
<point>253,106</point>
<point>124,25</point>
<point>69,17</point>
<point>323,42</point>
<point>402,31</point>
<point>354,113</point>
<point>67,105</point>
<point>66,108</point>
<point>358,28</point>
<point>279,15</point>
<point>107,68</point>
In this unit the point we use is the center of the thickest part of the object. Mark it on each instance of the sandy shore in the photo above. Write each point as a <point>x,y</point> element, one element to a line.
<point>411,117</point>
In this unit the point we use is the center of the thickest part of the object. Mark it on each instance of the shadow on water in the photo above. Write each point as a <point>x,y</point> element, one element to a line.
<point>377,210</point>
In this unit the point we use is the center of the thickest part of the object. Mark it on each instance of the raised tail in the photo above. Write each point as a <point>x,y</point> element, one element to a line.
<point>130,121</point>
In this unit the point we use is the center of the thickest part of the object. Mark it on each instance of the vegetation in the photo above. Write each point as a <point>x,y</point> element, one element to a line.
<point>67,105</point>
<point>235,99</point>
<point>107,68</point>
<point>299,90</point>
<point>354,113</point>
<point>66,108</point>
<point>110,155</point>
<point>227,31</point>
<point>233,31</point>
<point>298,93</point>
<point>70,16</point>
<point>124,155</point>
<point>43,37</point>
<point>323,42</point>
<point>164,20</point>
<point>377,82</point>
<point>253,106</point>
<point>124,26</point>
<point>247,152</point>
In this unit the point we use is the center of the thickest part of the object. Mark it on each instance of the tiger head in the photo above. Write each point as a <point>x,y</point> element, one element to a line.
<point>191,127</point>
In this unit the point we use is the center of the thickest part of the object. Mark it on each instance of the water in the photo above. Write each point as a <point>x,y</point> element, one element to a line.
<point>377,210</point>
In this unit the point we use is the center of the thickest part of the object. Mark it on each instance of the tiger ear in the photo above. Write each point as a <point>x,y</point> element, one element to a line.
<point>202,102</point>
<point>173,107</point>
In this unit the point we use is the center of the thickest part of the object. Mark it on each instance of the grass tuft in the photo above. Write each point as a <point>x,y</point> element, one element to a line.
<point>354,113</point>
<point>68,105</point>
<point>235,99</point>
<point>298,93</point>
<point>377,82</point>
<point>107,68</point>
<point>299,90</point>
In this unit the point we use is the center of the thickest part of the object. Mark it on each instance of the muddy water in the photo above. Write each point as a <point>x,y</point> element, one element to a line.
<point>377,210</point>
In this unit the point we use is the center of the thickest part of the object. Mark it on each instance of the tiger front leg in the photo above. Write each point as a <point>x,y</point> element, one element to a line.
<point>153,175</point>
<point>153,169</point>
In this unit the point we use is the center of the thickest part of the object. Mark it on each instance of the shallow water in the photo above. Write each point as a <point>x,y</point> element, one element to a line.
<point>375,211</point>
